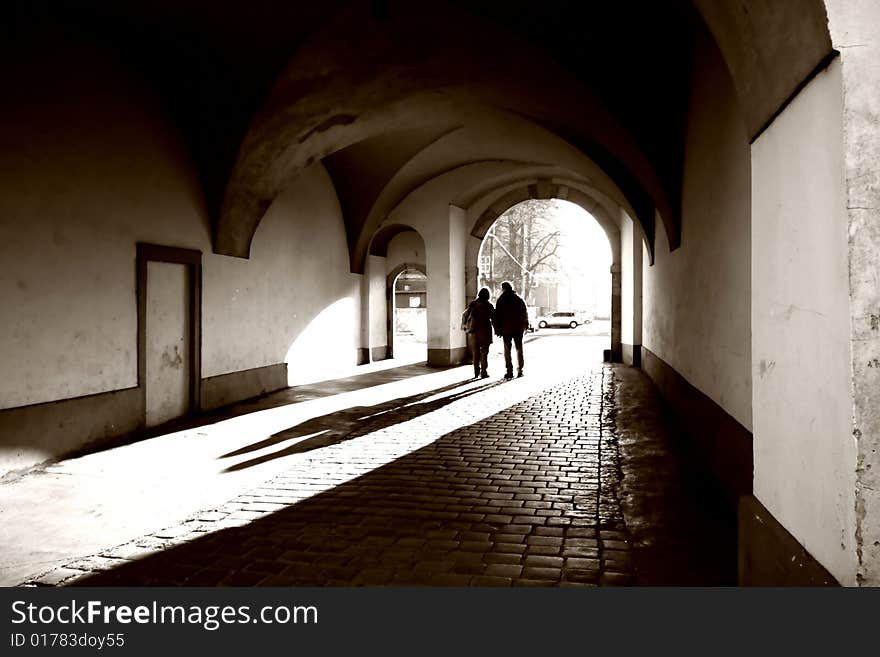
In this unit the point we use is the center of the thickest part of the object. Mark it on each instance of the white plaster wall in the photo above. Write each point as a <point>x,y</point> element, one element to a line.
<point>405,247</point>
<point>626,283</point>
<point>445,239</point>
<point>439,261</point>
<point>696,300</point>
<point>631,246</point>
<point>458,236</point>
<point>89,165</point>
<point>284,304</point>
<point>804,450</point>
<point>638,264</point>
<point>442,227</point>
<point>378,302</point>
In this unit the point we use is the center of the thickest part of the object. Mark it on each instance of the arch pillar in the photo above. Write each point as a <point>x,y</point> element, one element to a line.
<point>374,344</point>
<point>631,293</point>
<point>445,249</point>
<point>616,348</point>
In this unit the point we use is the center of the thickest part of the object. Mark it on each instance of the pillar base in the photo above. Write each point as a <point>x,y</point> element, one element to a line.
<point>631,354</point>
<point>446,357</point>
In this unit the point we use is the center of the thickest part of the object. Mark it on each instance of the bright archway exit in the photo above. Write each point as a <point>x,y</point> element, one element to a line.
<point>410,316</point>
<point>558,259</point>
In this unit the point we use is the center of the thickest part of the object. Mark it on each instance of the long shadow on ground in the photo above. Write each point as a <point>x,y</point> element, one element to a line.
<point>510,500</point>
<point>339,426</point>
<point>284,397</point>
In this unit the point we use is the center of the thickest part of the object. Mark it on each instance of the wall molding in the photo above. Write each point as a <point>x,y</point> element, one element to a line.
<point>722,443</point>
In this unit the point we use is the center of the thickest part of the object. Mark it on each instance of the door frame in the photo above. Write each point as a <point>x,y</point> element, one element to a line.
<point>192,259</point>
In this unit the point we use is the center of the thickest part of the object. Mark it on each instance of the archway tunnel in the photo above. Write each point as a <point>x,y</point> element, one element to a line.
<point>234,216</point>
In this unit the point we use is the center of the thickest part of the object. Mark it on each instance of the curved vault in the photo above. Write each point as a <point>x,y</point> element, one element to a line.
<point>416,85</point>
<point>624,108</point>
<point>622,101</point>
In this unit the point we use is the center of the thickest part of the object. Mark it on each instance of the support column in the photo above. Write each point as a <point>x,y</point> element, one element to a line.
<point>631,293</point>
<point>616,316</point>
<point>445,258</point>
<point>363,350</point>
<point>471,270</point>
<point>377,303</point>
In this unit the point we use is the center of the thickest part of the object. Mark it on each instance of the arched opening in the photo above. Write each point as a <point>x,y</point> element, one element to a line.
<point>408,312</point>
<point>559,260</point>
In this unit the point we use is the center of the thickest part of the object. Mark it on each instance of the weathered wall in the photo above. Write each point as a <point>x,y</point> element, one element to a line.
<point>697,298</point>
<point>284,304</point>
<point>804,450</point>
<point>90,164</point>
<point>631,247</point>
<point>855,32</point>
<point>167,347</point>
<point>405,247</point>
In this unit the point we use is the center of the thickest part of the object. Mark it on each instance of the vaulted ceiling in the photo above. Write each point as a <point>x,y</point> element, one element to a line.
<point>388,94</point>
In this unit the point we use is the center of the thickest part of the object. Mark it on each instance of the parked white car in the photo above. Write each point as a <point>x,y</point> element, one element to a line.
<point>562,319</point>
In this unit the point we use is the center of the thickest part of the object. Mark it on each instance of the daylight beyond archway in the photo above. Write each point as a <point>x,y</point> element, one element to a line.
<point>558,259</point>
<point>410,321</point>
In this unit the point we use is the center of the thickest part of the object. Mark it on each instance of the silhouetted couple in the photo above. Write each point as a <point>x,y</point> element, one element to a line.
<point>509,319</point>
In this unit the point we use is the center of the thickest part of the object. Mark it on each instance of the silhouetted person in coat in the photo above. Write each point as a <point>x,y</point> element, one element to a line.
<point>477,321</point>
<point>511,321</point>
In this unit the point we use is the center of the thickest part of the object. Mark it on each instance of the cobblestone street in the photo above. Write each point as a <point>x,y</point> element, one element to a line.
<point>455,487</point>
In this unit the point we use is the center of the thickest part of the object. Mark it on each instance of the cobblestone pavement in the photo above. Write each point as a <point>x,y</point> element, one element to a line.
<point>456,489</point>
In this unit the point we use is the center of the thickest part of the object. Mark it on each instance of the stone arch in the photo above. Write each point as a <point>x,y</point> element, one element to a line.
<point>321,104</point>
<point>547,189</point>
<point>770,49</point>
<point>382,238</point>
